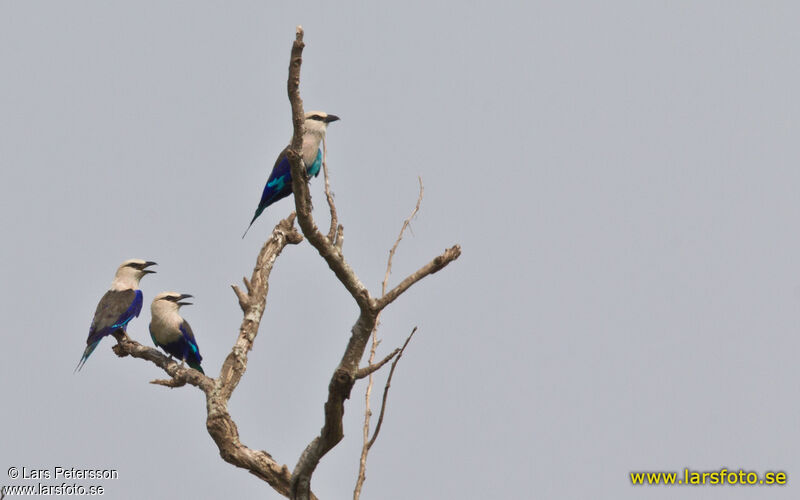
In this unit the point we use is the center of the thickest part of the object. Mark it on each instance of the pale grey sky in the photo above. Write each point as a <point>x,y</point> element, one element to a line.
<point>622,176</point>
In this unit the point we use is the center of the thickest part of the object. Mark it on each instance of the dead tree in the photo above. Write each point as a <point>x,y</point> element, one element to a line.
<point>294,484</point>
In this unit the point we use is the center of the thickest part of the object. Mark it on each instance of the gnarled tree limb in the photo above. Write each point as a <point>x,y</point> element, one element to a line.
<point>218,391</point>
<point>219,423</point>
<point>181,375</point>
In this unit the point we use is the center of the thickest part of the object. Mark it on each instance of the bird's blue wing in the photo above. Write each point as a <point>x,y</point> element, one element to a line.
<point>279,183</point>
<point>188,335</point>
<point>136,307</point>
<point>115,309</point>
<point>192,355</point>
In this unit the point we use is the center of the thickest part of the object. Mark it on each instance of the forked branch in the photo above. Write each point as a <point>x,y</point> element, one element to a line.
<point>386,389</point>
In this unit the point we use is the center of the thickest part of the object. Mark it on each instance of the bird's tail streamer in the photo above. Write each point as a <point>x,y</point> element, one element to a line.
<point>258,212</point>
<point>86,353</point>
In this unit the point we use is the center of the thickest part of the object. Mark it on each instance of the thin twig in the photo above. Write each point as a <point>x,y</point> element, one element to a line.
<point>386,388</point>
<point>362,465</point>
<point>436,265</point>
<point>406,224</point>
<point>370,368</point>
<point>328,195</point>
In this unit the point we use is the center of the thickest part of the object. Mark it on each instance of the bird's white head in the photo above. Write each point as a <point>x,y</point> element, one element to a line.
<point>317,122</point>
<point>168,302</point>
<point>173,299</point>
<point>315,126</point>
<point>130,272</point>
<point>164,310</point>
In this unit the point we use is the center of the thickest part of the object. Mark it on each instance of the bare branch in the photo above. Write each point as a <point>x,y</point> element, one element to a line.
<point>406,224</point>
<point>362,461</point>
<point>172,382</point>
<point>344,376</point>
<point>327,250</point>
<point>293,88</point>
<point>338,391</point>
<point>437,264</point>
<point>128,347</point>
<point>386,388</point>
<point>328,195</point>
<point>219,422</point>
<point>235,364</point>
<point>302,197</point>
<point>362,465</point>
<point>370,369</point>
<point>362,468</point>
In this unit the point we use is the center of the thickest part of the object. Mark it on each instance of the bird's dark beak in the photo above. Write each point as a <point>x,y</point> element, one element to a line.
<point>331,118</point>
<point>148,264</point>
<point>184,296</point>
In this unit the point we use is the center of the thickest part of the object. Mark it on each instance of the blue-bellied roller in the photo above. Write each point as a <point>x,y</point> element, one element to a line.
<point>120,304</point>
<point>171,332</point>
<point>279,184</point>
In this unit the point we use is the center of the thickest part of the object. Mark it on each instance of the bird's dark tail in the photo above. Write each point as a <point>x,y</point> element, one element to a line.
<point>196,366</point>
<point>258,212</point>
<point>248,228</point>
<point>86,353</point>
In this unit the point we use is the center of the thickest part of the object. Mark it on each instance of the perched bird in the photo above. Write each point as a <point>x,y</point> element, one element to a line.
<point>121,303</point>
<point>279,184</point>
<point>171,332</point>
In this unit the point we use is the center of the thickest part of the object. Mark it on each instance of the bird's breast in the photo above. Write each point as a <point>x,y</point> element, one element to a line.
<point>310,148</point>
<point>165,331</point>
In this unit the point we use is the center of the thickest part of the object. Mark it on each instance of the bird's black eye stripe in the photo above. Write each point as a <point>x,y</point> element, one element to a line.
<point>315,117</point>
<point>140,267</point>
